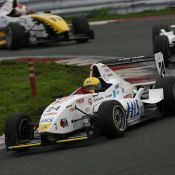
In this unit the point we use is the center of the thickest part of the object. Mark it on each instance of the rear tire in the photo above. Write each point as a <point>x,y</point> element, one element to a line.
<point>167,106</point>
<point>161,44</point>
<point>15,36</point>
<point>18,128</point>
<point>81,27</point>
<point>112,119</point>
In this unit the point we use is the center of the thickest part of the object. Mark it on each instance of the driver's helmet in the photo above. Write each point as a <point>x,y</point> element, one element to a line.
<point>92,83</point>
<point>20,10</point>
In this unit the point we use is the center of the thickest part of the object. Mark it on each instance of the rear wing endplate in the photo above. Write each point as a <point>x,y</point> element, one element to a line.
<point>160,65</point>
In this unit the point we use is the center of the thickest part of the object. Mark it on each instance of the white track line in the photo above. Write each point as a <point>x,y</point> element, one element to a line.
<point>88,62</point>
<point>75,61</point>
<point>2,141</point>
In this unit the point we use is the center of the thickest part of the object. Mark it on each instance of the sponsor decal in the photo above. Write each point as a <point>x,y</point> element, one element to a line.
<point>80,101</point>
<point>44,127</point>
<point>50,113</point>
<point>64,123</point>
<point>56,127</point>
<point>114,94</point>
<point>68,106</point>
<point>133,109</point>
<point>87,109</point>
<point>107,70</point>
<point>47,120</point>
<point>72,109</point>
<point>116,86</point>
<point>109,75</point>
<point>108,96</point>
<point>128,96</point>
<point>98,99</point>
<point>90,101</point>
<point>105,77</point>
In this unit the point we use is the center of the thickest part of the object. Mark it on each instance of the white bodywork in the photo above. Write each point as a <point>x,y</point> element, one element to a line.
<point>62,116</point>
<point>170,35</point>
<point>35,29</point>
<point>7,7</point>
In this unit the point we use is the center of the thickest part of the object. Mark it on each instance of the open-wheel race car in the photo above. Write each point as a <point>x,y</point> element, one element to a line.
<point>164,41</point>
<point>19,27</point>
<point>107,111</point>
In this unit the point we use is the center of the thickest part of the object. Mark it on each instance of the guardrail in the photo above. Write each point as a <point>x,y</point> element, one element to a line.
<point>84,6</point>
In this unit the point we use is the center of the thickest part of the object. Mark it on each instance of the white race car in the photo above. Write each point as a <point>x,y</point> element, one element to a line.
<point>164,41</point>
<point>19,28</point>
<point>110,110</point>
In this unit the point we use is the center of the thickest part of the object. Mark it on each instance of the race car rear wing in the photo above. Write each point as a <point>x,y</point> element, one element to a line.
<point>157,58</point>
<point>160,65</point>
<point>126,60</point>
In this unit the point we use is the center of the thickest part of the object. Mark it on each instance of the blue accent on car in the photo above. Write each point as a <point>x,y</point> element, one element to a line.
<point>114,94</point>
<point>132,109</point>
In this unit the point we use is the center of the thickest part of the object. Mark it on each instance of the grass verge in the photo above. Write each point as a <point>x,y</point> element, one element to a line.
<point>106,14</point>
<point>52,79</point>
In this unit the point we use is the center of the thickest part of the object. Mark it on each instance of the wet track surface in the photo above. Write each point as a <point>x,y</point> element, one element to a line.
<point>148,148</point>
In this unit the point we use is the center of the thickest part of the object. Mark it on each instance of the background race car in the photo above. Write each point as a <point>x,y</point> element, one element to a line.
<point>164,41</point>
<point>109,110</point>
<point>18,28</point>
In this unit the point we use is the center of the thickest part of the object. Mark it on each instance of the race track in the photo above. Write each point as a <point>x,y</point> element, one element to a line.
<point>147,149</point>
<point>116,39</point>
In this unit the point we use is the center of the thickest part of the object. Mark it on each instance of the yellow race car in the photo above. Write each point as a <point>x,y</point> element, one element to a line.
<point>18,28</point>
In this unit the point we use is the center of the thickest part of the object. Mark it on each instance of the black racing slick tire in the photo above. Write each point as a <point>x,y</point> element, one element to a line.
<point>18,128</point>
<point>81,27</point>
<point>167,106</point>
<point>156,30</point>
<point>161,44</point>
<point>15,36</point>
<point>112,119</point>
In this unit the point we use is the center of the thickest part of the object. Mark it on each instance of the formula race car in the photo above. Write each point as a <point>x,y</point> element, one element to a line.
<point>19,28</point>
<point>164,41</point>
<point>108,111</point>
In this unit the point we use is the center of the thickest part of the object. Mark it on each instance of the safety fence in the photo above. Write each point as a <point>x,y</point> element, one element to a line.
<point>84,6</point>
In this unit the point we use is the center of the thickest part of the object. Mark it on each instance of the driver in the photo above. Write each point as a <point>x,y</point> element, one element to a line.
<point>18,11</point>
<point>90,85</point>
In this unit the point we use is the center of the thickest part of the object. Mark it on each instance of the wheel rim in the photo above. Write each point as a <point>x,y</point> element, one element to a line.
<point>24,129</point>
<point>9,38</point>
<point>119,118</point>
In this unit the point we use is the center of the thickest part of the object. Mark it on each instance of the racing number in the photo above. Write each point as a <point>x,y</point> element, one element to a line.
<point>53,108</point>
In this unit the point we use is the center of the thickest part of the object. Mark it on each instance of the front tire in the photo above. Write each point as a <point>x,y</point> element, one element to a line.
<point>167,106</point>
<point>18,128</point>
<point>112,119</point>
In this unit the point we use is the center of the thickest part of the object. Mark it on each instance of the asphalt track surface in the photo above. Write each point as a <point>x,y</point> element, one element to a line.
<point>131,38</point>
<point>147,148</point>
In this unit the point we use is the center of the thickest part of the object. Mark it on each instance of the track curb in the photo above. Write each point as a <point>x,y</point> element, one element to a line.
<point>2,141</point>
<point>103,22</point>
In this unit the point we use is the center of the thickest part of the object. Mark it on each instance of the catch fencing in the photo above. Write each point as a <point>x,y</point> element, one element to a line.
<point>84,6</point>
